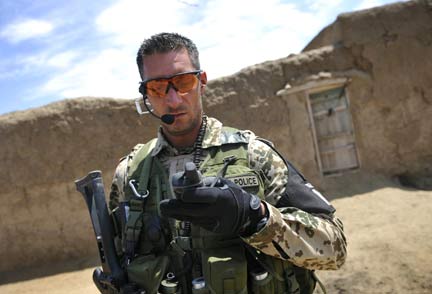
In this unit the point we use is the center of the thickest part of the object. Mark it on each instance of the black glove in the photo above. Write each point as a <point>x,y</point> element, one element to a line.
<point>223,208</point>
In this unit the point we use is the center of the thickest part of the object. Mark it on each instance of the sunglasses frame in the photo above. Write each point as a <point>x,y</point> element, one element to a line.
<point>143,84</point>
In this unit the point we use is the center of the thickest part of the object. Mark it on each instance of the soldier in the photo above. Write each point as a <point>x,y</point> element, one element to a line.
<point>253,224</point>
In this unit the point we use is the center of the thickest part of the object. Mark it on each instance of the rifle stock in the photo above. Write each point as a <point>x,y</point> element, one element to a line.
<point>112,277</point>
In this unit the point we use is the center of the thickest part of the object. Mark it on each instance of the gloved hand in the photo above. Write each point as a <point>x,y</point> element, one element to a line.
<point>223,208</point>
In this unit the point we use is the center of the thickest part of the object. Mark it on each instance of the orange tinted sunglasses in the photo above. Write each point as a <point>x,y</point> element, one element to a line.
<point>182,83</point>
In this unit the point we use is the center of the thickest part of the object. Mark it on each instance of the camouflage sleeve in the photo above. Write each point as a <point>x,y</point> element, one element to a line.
<point>118,184</point>
<point>307,240</point>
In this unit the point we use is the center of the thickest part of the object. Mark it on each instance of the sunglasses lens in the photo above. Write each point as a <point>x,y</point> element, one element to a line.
<point>157,88</point>
<point>182,83</point>
<point>185,83</point>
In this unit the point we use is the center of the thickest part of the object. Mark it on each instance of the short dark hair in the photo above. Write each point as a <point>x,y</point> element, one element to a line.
<point>164,43</point>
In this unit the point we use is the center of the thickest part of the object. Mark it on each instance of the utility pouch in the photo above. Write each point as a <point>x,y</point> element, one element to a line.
<point>148,271</point>
<point>307,280</point>
<point>261,282</point>
<point>152,235</point>
<point>281,277</point>
<point>288,283</point>
<point>225,270</point>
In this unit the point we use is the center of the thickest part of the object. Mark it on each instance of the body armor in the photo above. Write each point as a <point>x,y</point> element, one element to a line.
<point>156,249</point>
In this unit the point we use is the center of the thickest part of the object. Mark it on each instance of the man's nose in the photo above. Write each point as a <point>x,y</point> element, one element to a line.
<point>173,99</point>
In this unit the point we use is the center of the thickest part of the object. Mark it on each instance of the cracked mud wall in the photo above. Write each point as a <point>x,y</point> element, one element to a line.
<point>44,220</point>
<point>392,111</point>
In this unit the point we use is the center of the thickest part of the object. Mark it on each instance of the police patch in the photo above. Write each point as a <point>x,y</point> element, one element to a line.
<point>245,181</point>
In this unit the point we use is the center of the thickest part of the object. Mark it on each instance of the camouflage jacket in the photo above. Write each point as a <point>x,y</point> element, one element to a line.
<point>314,242</point>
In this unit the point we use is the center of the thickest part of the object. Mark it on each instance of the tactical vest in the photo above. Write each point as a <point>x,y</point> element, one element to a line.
<point>156,247</point>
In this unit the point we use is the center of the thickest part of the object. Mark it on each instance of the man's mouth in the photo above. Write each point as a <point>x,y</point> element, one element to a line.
<point>178,114</point>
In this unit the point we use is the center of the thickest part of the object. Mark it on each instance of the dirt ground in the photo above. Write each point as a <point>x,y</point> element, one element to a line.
<point>389,245</point>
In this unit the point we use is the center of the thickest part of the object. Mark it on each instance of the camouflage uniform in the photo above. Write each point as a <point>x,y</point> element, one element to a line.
<point>310,241</point>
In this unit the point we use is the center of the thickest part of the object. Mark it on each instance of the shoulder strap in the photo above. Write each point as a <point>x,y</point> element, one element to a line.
<point>145,175</point>
<point>138,167</point>
<point>136,161</point>
<point>231,135</point>
<point>140,151</point>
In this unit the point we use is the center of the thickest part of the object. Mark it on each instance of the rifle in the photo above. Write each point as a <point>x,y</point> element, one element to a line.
<point>112,278</point>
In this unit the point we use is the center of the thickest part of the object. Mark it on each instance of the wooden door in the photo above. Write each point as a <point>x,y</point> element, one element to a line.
<point>334,134</point>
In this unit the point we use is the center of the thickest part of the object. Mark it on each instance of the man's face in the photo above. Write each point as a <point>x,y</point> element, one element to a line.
<point>187,107</point>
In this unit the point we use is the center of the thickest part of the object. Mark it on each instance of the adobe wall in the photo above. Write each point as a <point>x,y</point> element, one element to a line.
<point>44,220</point>
<point>391,101</point>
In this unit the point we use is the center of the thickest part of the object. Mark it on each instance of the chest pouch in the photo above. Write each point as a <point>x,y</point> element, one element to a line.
<point>223,259</point>
<point>273,275</point>
<point>225,270</point>
<point>231,162</point>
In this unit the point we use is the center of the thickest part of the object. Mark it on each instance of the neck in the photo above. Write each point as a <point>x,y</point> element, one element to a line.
<point>184,140</point>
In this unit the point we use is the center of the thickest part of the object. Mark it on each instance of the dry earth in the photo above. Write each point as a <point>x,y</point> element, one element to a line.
<point>389,239</point>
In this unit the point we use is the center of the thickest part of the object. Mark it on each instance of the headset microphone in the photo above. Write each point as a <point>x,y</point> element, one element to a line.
<point>167,118</point>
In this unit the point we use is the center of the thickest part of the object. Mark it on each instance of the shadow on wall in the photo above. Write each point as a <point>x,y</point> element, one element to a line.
<point>45,270</point>
<point>416,181</point>
<point>360,182</point>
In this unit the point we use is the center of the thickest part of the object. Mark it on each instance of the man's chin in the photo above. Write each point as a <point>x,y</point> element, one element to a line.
<point>177,129</point>
<point>181,126</point>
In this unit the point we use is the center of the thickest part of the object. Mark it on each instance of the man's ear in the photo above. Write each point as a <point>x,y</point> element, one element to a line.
<point>203,80</point>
